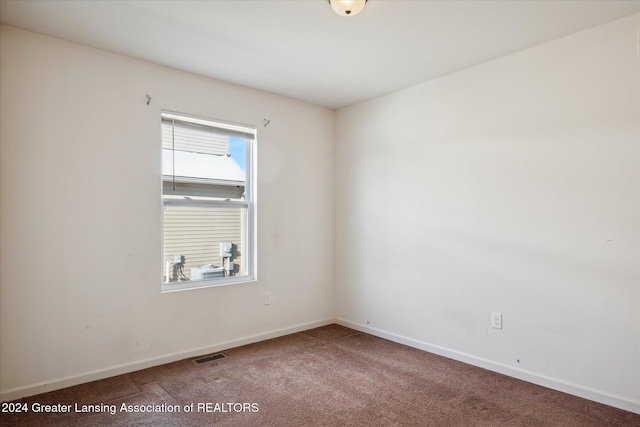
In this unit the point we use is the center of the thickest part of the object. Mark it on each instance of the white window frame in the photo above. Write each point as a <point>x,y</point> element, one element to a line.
<point>249,203</point>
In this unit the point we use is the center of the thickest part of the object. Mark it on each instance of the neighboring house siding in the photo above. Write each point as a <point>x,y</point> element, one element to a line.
<point>196,233</point>
<point>204,190</point>
<point>193,138</point>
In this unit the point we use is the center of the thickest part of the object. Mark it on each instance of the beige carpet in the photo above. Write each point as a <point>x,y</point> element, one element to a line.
<point>329,376</point>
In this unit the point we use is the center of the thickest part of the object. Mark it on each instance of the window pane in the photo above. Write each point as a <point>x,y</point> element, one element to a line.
<point>203,162</point>
<point>195,238</point>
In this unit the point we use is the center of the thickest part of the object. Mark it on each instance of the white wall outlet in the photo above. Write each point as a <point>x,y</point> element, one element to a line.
<point>267,298</point>
<point>496,320</point>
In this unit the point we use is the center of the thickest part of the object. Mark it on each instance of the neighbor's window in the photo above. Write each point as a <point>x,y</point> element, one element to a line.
<point>208,202</point>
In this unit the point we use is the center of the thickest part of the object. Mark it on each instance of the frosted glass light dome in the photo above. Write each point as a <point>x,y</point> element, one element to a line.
<point>347,7</point>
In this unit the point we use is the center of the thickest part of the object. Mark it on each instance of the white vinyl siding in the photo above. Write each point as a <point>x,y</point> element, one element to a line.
<point>197,189</point>
<point>193,138</point>
<point>197,231</point>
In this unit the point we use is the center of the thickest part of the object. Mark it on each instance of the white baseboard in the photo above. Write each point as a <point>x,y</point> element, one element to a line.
<point>532,377</point>
<point>44,387</point>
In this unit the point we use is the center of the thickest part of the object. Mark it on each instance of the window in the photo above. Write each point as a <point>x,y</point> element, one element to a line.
<point>208,202</point>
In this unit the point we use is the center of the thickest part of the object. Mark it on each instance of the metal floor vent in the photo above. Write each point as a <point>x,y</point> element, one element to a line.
<point>209,358</point>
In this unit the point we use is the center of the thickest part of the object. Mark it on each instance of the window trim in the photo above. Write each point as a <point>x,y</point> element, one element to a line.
<point>249,203</point>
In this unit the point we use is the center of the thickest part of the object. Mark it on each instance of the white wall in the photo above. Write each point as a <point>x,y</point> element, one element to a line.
<point>80,217</point>
<point>512,187</point>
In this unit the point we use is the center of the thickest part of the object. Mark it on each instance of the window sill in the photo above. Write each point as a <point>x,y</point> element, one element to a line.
<point>200,284</point>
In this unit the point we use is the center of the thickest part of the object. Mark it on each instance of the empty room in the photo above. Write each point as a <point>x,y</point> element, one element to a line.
<point>322,213</point>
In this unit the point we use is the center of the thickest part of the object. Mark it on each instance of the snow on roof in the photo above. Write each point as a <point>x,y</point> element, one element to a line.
<point>203,166</point>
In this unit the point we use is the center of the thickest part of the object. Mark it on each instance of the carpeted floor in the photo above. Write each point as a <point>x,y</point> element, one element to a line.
<point>329,376</point>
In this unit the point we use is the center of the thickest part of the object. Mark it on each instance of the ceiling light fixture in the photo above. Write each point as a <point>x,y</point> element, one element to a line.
<point>347,7</point>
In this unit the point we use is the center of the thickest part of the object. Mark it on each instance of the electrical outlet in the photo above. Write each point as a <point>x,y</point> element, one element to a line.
<point>267,298</point>
<point>496,320</point>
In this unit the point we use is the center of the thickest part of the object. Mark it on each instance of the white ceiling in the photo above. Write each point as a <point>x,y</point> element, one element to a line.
<point>302,49</point>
